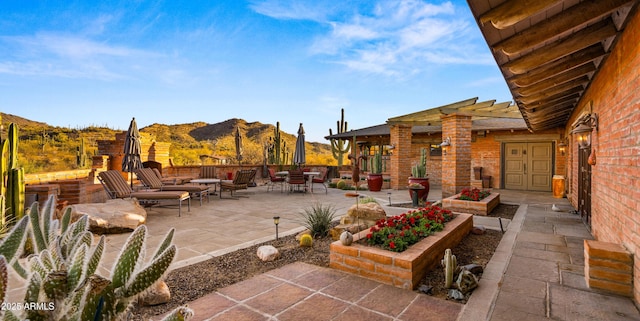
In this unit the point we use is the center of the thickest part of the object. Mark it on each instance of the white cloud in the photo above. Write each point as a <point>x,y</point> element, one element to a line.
<point>69,56</point>
<point>393,38</point>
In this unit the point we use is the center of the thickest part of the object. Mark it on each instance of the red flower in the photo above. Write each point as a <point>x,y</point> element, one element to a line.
<point>369,235</point>
<point>392,245</point>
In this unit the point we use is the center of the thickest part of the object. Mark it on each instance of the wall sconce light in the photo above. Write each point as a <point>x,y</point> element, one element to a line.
<point>276,220</point>
<point>445,145</point>
<point>583,129</point>
<point>562,146</point>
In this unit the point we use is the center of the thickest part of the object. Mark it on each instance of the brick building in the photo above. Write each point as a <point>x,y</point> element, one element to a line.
<point>574,67</point>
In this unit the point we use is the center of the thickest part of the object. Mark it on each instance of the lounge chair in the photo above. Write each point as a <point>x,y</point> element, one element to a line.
<point>240,181</point>
<point>117,187</point>
<point>150,180</point>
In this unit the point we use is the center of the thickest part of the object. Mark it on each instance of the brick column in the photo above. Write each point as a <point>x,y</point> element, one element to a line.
<point>401,158</point>
<point>456,163</point>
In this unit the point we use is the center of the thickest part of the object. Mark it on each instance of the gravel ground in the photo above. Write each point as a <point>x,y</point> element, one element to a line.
<point>192,282</point>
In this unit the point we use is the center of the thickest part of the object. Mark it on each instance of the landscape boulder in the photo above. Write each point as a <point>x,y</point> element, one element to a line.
<point>113,216</point>
<point>268,253</point>
<point>157,294</point>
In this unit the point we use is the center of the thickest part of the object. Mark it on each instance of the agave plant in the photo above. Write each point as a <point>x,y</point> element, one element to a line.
<point>61,273</point>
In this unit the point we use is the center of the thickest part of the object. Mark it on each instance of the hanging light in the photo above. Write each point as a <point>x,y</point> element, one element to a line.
<point>584,128</point>
<point>562,146</point>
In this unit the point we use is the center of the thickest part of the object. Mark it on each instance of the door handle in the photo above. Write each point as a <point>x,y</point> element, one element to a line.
<point>525,168</point>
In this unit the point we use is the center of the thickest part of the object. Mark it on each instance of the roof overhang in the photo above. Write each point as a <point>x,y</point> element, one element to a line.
<point>550,50</point>
<point>477,110</point>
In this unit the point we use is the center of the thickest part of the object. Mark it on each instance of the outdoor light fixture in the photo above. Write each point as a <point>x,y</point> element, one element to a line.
<point>276,220</point>
<point>445,145</point>
<point>562,146</point>
<point>583,129</point>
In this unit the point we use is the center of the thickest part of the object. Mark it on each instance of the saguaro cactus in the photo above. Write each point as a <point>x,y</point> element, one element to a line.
<point>13,186</point>
<point>339,147</point>
<point>275,147</point>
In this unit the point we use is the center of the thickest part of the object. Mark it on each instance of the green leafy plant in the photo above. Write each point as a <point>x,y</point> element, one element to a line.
<point>318,218</point>
<point>399,232</point>
<point>473,194</point>
<point>62,271</point>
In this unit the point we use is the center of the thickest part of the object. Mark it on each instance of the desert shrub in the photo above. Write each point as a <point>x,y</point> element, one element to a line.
<point>367,199</point>
<point>318,218</point>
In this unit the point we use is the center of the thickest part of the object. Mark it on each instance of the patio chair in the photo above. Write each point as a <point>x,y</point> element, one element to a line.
<point>321,179</point>
<point>172,180</point>
<point>117,187</point>
<point>150,180</point>
<point>296,180</point>
<point>274,179</point>
<point>240,181</point>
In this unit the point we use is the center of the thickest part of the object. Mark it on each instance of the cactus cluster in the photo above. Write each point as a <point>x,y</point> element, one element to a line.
<point>339,147</point>
<point>277,148</point>
<point>13,186</point>
<point>306,240</point>
<point>62,272</point>
<point>420,170</point>
<point>450,265</point>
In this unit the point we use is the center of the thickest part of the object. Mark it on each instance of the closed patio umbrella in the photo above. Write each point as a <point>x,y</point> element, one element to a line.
<point>299,156</point>
<point>238,144</point>
<point>131,160</point>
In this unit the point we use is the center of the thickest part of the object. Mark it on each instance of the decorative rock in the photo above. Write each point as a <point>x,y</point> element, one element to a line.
<point>466,281</point>
<point>346,238</point>
<point>455,294</point>
<point>478,229</point>
<point>157,294</point>
<point>113,216</point>
<point>367,211</point>
<point>474,268</point>
<point>268,253</point>
<point>426,289</point>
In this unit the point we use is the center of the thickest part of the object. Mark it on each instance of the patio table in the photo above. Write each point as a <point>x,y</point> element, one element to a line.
<point>207,181</point>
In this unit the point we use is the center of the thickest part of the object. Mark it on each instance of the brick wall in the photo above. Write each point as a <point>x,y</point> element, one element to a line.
<point>456,162</point>
<point>615,183</point>
<point>401,159</point>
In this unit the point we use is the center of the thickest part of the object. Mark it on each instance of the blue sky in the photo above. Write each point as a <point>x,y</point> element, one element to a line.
<point>82,63</point>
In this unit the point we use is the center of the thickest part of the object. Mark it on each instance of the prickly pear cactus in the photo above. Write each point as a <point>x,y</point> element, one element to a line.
<point>450,265</point>
<point>306,240</point>
<point>61,273</point>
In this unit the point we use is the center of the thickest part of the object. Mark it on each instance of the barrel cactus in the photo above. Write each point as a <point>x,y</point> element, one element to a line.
<point>306,240</point>
<point>341,184</point>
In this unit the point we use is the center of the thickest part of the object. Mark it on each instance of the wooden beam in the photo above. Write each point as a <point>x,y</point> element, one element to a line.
<point>511,12</point>
<point>556,80</point>
<point>567,62</point>
<point>507,105</point>
<point>563,90</point>
<point>551,111</point>
<point>562,47</point>
<point>559,88</point>
<point>418,116</point>
<point>541,105</point>
<point>573,17</point>
<point>546,100</point>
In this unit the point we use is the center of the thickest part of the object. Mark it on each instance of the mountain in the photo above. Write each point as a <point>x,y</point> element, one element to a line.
<point>47,148</point>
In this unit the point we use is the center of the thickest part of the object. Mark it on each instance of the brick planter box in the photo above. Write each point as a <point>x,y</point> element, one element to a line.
<point>405,269</point>
<point>481,207</point>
